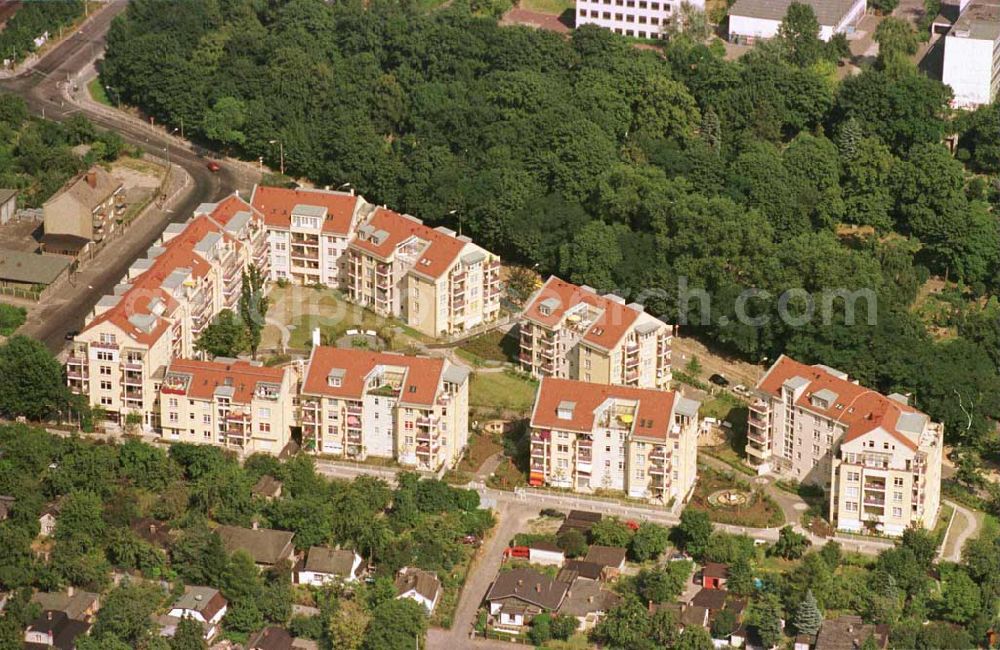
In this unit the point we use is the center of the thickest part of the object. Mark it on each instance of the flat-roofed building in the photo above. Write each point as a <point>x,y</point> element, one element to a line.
<point>435,281</point>
<point>878,457</point>
<point>160,307</point>
<point>972,55</point>
<point>637,18</point>
<point>239,405</point>
<point>308,231</point>
<point>572,332</point>
<point>357,403</point>
<point>753,20</point>
<point>587,437</point>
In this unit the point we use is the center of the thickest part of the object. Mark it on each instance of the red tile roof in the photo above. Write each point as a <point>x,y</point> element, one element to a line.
<point>606,330</point>
<point>420,386</point>
<point>436,258</point>
<point>243,376</point>
<point>277,203</point>
<point>653,419</point>
<point>861,409</point>
<point>178,253</point>
<point>227,208</point>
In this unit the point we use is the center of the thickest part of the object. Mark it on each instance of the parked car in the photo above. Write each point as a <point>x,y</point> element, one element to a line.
<point>718,380</point>
<point>471,540</point>
<point>213,166</point>
<point>740,389</point>
<point>70,335</point>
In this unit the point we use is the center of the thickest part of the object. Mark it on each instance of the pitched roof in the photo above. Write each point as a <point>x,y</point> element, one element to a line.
<point>574,569</point>
<point>206,600</point>
<point>529,586</point>
<point>267,486</point>
<point>278,203</point>
<point>152,530</point>
<point>861,409</point>
<point>611,556</point>
<point>542,545</point>
<point>423,582</point>
<point>90,188</point>
<point>31,268</point>
<point>225,210</point>
<point>422,375</point>
<point>321,559</point>
<point>848,633</point>
<point>586,597</point>
<point>711,599</point>
<point>74,606</point>
<point>63,629</point>
<point>653,417</point>
<point>715,570</point>
<point>270,638</point>
<point>264,545</point>
<point>557,297</point>
<point>580,520</point>
<point>828,12</point>
<point>386,230</point>
<point>204,378</point>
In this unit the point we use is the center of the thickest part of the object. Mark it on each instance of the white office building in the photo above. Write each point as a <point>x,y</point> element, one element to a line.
<point>753,20</point>
<point>637,18</point>
<point>971,55</point>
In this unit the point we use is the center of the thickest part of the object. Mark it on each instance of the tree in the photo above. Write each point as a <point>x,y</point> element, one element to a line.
<point>790,545</point>
<point>563,626</point>
<point>666,584</point>
<point>541,629</point>
<point>693,531</point>
<point>831,554</point>
<point>225,336</point>
<point>724,624</point>
<point>80,522</point>
<point>896,41</point>
<point>695,637</point>
<point>626,625</point>
<point>611,531</point>
<point>649,541</point>
<point>31,380</point>
<point>396,624</point>
<point>799,35</point>
<point>573,543</point>
<point>224,121</point>
<point>347,624</point>
<point>764,617</point>
<point>922,542</point>
<point>521,284</point>
<point>807,617</point>
<point>741,578</point>
<point>189,636</point>
<point>961,598</point>
<point>663,628</point>
<point>253,306</point>
<point>126,613</point>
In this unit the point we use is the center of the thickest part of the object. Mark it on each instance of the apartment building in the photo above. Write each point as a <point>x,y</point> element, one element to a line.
<point>587,437</point>
<point>308,231</point>
<point>239,405</point>
<point>638,18</point>
<point>972,55</point>
<point>357,403</point>
<point>878,457</point>
<point>571,332</point>
<point>158,309</point>
<point>434,281</point>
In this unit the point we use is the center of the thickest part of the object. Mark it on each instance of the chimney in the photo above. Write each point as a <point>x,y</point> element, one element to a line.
<point>91,178</point>
<point>152,528</point>
<point>538,587</point>
<point>48,614</point>
<point>590,599</point>
<point>520,582</point>
<point>315,337</point>
<point>254,524</point>
<point>70,590</point>
<point>198,597</point>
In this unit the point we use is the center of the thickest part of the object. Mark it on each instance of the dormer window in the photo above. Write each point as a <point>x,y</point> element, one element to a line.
<point>565,410</point>
<point>335,382</point>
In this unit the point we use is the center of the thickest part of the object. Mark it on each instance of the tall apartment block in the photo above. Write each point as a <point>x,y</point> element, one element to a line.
<point>571,332</point>
<point>238,405</point>
<point>587,437</point>
<point>434,281</point>
<point>308,232</point>
<point>158,309</point>
<point>972,54</point>
<point>638,18</point>
<point>878,457</point>
<point>356,404</point>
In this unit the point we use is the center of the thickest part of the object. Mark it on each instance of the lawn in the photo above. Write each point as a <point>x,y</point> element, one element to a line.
<point>502,391</point>
<point>554,7</point>
<point>481,447</point>
<point>495,346</point>
<point>98,93</point>
<point>11,317</point>
<point>760,511</point>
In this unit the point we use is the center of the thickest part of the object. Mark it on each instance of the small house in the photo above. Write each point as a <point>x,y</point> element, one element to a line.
<point>611,558</point>
<point>324,565</point>
<point>267,547</point>
<point>267,487</point>
<point>419,585</point>
<point>546,553</point>
<point>587,602</point>
<point>47,520</point>
<point>714,575</point>
<point>203,604</point>
<point>517,596</point>
<point>54,629</point>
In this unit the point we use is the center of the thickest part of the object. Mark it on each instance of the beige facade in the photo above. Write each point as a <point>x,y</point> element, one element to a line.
<point>878,458</point>
<point>357,404</point>
<point>434,281</point>
<point>239,405</point>
<point>589,437</point>
<point>571,332</point>
<point>160,307</point>
<point>85,207</point>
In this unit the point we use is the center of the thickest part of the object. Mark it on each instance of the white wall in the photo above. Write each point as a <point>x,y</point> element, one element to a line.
<point>968,68</point>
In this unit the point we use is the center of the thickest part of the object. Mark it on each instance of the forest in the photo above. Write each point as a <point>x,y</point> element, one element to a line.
<point>634,170</point>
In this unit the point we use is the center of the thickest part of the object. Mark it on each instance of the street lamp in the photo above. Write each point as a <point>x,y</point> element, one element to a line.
<point>281,150</point>
<point>344,186</point>
<point>453,212</point>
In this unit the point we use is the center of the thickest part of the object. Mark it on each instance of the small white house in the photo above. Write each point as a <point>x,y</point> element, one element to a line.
<point>753,20</point>
<point>47,521</point>
<point>419,585</point>
<point>545,553</point>
<point>325,565</point>
<point>206,605</point>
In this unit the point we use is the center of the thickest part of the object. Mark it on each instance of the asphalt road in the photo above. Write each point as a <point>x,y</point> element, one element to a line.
<point>41,87</point>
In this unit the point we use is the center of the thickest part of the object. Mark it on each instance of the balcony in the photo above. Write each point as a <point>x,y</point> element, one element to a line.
<point>525,357</point>
<point>354,410</point>
<point>539,436</point>
<point>426,421</point>
<point>632,348</point>
<point>538,449</point>
<point>304,254</point>
<point>78,373</point>
<point>875,486</point>
<point>755,435</point>
<point>104,345</point>
<point>874,501</point>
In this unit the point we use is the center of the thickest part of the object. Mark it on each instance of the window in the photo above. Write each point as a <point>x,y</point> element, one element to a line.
<point>105,385</point>
<point>639,474</point>
<point>206,418</point>
<point>852,492</point>
<point>853,477</point>
<point>172,417</point>
<point>897,512</point>
<point>815,450</point>
<point>851,506</point>
<point>562,449</point>
<point>264,427</point>
<point>897,481</point>
<point>640,460</point>
<point>105,370</point>
<point>104,355</point>
<point>107,338</point>
<point>897,497</point>
<point>264,413</point>
<point>172,402</point>
<point>105,401</point>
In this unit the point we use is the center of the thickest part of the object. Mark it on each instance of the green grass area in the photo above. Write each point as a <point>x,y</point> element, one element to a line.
<point>481,447</point>
<point>502,391</point>
<point>98,92</point>
<point>944,517</point>
<point>494,346</point>
<point>554,7</point>
<point>760,510</point>
<point>11,317</point>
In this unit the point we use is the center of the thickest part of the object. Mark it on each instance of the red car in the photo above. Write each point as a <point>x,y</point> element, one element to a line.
<point>213,166</point>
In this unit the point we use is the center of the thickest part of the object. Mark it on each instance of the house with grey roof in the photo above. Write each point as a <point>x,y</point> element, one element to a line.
<point>420,586</point>
<point>754,20</point>
<point>267,547</point>
<point>517,596</point>
<point>205,605</point>
<point>324,565</point>
<point>85,207</point>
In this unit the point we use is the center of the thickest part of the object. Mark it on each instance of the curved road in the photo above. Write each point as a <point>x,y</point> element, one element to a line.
<point>41,87</point>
